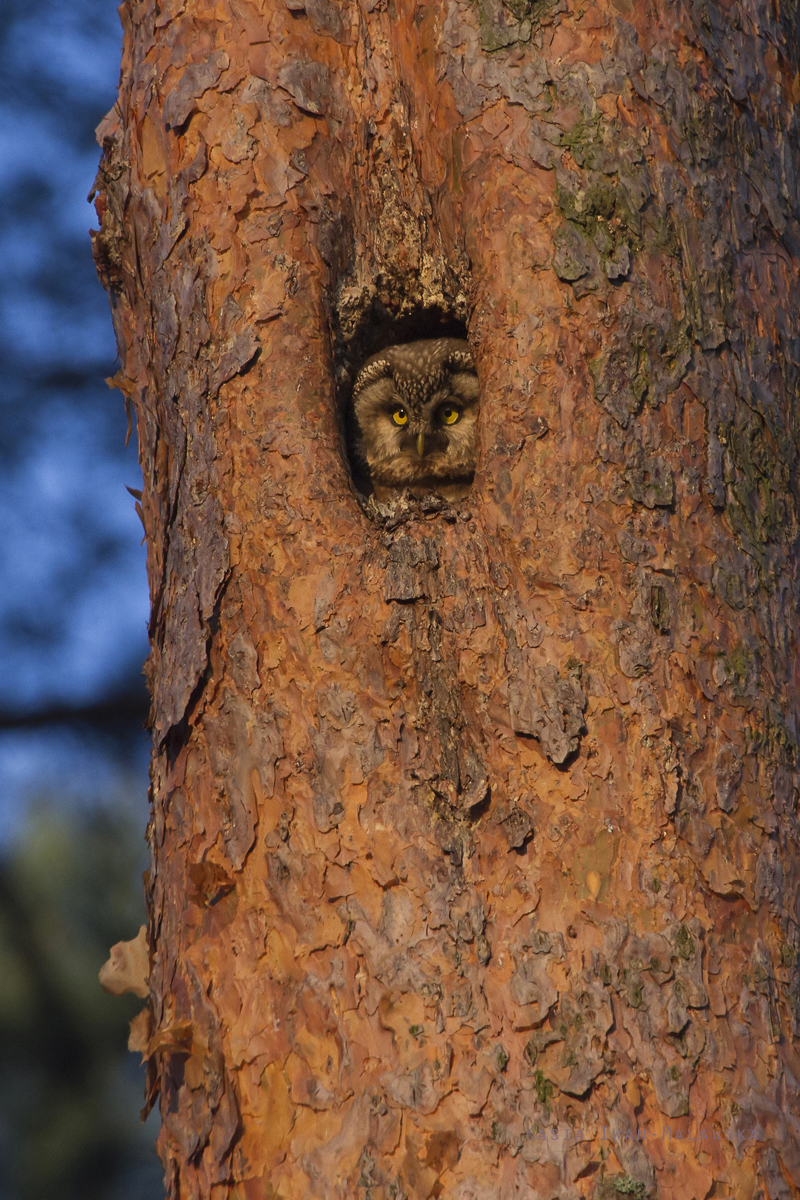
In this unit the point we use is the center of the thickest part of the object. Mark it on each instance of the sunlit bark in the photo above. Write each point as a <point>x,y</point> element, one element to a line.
<point>475,830</point>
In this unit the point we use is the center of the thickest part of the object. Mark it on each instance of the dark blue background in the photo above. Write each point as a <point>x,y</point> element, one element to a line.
<point>72,579</point>
<point>73,609</point>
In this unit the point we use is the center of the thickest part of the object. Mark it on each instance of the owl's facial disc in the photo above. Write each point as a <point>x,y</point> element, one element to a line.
<point>416,409</point>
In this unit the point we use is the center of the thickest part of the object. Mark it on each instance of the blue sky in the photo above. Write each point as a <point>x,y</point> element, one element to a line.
<point>73,601</point>
<point>73,594</point>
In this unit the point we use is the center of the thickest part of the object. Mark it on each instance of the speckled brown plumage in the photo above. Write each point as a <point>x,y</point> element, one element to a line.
<point>423,379</point>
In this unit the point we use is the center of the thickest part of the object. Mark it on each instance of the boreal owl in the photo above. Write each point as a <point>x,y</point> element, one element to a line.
<point>416,409</point>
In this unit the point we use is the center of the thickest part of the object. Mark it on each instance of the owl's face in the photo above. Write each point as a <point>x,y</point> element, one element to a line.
<point>416,409</point>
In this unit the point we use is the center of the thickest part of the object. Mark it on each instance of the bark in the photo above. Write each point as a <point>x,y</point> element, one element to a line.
<point>474,833</point>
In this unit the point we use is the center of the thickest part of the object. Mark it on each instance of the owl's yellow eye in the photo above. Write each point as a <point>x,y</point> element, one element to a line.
<point>449,414</point>
<point>400,416</point>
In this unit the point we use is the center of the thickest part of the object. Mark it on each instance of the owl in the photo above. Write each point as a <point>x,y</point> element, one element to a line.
<point>415,409</point>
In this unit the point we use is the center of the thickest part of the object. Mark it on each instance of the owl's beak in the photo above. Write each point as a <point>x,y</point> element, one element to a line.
<point>421,445</point>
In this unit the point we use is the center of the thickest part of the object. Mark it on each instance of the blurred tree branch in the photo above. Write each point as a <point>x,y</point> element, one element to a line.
<point>126,707</point>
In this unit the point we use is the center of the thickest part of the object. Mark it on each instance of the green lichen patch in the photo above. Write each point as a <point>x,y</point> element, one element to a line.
<point>742,669</point>
<point>608,191</point>
<point>788,955</point>
<point>586,197</point>
<point>633,992</point>
<point>611,1187</point>
<point>759,485</point>
<point>626,1186</point>
<point>684,943</point>
<point>504,23</point>
<point>651,483</point>
<point>572,256</point>
<point>604,194</point>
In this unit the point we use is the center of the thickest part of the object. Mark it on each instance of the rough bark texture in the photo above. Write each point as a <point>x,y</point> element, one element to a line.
<point>469,824</point>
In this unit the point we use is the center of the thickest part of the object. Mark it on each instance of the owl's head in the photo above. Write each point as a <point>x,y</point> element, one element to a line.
<point>416,410</point>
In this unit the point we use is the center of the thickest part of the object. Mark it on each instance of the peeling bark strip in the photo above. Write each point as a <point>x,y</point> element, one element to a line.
<point>468,822</point>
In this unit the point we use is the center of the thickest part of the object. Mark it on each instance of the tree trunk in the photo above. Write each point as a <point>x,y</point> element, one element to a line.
<point>474,835</point>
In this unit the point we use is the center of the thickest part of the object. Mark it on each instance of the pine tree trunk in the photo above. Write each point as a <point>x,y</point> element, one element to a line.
<point>474,834</point>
